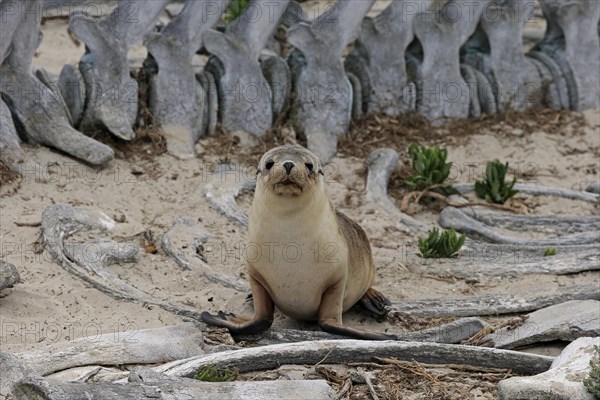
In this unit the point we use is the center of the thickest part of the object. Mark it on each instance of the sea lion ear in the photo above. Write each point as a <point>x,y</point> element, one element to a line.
<point>257,171</point>
<point>321,172</point>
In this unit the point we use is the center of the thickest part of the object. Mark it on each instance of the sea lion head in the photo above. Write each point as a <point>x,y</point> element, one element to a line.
<point>290,171</point>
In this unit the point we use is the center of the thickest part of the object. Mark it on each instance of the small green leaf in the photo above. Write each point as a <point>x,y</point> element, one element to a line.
<point>550,252</point>
<point>444,245</point>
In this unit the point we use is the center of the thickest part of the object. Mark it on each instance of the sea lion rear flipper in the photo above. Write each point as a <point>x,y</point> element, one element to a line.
<point>263,314</point>
<point>375,302</point>
<point>330,318</point>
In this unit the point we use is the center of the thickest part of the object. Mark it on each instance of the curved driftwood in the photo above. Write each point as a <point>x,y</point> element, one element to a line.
<point>148,346</point>
<point>13,370</point>
<point>452,217</point>
<point>381,163</point>
<point>537,223</point>
<point>322,101</point>
<point>453,332</point>
<point>481,259</point>
<point>539,191</point>
<point>60,221</point>
<point>111,93</point>
<point>9,275</point>
<point>226,184</point>
<point>566,321</point>
<point>341,351</point>
<point>184,241</point>
<point>169,388</point>
<point>496,304</point>
<point>177,100</point>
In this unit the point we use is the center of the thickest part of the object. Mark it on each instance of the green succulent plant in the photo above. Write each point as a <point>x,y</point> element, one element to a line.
<point>235,9</point>
<point>550,252</point>
<point>592,382</point>
<point>212,374</point>
<point>444,245</point>
<point>494,188</point>
<point>430,166</point>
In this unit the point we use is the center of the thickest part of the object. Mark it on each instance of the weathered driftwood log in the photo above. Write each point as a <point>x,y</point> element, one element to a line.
<point>13,370</point>
<point>453,332</point>
<point>322,100</point>
<point>496,304</point>
<point>537,223</point>
<point>227,183</point>
<point>177,100</point>
<point>452,217</point>
<point>148,346</point>
<point>72,90</point>
<point>111,92</point>
<point>442,29</point>
<point>514,79</point>
<point>184,242</point>
<point>572,42</point>
<point>245,97</point>
<point>563,381</point>
<point>539,191</point>
<point>173,388</point>
<point>485,259</point>
<point>378,58</point>
<point>566,321</point>
<point>60,221</point>
<point>340,351</point>
<point>381,163</point>
<point>34,106</point>
<point>8,275</point>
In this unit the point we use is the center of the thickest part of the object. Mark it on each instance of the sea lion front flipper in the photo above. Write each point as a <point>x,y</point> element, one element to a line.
<point>263,314</point>
<point>330,317</point>
<point>375,302</point>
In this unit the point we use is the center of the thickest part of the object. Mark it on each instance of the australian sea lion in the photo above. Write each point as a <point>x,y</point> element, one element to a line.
<point>310,261</point>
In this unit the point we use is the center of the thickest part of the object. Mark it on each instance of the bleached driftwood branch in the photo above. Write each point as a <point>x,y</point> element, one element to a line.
<point>340,351</point>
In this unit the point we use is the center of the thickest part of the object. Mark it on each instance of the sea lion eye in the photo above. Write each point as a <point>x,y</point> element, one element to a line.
<point>269,164</point>
<point>309,166</point>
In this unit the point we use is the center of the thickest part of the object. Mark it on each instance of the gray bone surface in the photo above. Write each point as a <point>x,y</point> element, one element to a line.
<point>566,321</point>
<point>322,101</point>
<point>177,99</point>
<point>442,93</point>
<point>9,275</point>
<point>378,57</point>
<point>11,153</point>
<point>573,42</point>
<point>245,97</point>
<point>111,93</point>
<point>563,381</point>
<point>39,110</point>
<point>516,81</point>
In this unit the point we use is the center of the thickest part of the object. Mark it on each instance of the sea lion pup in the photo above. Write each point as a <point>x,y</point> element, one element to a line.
<point>310,261</point>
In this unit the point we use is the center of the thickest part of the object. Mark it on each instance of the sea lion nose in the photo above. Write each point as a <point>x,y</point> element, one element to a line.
<point>288,165</point>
